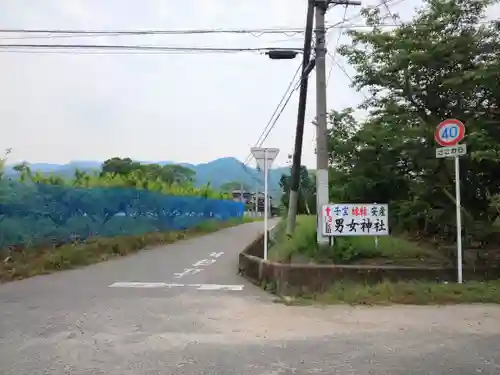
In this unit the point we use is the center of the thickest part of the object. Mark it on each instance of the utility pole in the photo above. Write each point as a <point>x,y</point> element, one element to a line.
<point>301,114</point>
<point>322,195</point>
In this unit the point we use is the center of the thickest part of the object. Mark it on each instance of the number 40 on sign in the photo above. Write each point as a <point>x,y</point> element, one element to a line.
<point>355,220</point>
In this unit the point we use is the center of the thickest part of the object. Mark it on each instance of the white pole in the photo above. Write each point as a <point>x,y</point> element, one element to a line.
<point>256,200</point>
<point>459,219</point>
<point>265,203</point>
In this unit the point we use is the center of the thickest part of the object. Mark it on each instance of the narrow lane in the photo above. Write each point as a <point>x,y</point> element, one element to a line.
<point>75,323</point>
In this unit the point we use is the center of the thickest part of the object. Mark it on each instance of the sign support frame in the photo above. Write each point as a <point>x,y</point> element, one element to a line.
<point>266,203</point>
<point>265,156</point>
<point>459,220</point>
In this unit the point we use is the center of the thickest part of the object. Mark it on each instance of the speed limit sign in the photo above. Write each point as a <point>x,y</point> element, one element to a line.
<point>449,132</point>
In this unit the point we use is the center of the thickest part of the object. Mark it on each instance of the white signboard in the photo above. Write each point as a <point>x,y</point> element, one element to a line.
<point>364,219</point>
<point>450,151</point>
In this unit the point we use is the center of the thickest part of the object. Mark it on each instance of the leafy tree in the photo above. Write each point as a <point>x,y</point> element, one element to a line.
<point>170,174</point>
<point>307,192</point>
<point>3,159</point>
<point>119,166</point>
<point>178,174</point>
<point>442,64</point>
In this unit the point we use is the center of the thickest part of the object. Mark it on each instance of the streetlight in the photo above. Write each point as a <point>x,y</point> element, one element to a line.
<point>280,54</point>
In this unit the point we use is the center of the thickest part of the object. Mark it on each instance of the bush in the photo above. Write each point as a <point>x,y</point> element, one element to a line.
<point>350,250</point>
<point>28,262</point>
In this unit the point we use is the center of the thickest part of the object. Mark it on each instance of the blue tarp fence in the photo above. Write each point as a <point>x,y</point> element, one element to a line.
<point>38,213</point>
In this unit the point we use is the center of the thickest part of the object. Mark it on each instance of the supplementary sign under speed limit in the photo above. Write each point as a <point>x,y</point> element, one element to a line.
<point>449,132</point>
<point>451,151</point>
<point>364,219</point>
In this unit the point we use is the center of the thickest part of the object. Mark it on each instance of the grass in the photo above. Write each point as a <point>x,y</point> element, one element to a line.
<point>351,250</point>
<point>32,261</point>
<point>396,250</point>
<point>415,293</point>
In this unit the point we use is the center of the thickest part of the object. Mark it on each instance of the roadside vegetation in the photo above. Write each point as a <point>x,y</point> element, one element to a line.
<point>396,250</point>
<point>445,63</point>
<point>39,260</point>
<point>409,292</point>
<point>51,222</point>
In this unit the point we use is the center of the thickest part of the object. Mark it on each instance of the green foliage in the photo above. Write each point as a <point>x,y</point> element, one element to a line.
<point>302,247</point>
<point>306,203</point>
<point>229,187</point>
<point>50,209</point>
<point>443,64</point>
<point>170,179</point>
<point>408,292</point>
<point>169,174</point>
<point>3,159</point>
<point>36,261</point>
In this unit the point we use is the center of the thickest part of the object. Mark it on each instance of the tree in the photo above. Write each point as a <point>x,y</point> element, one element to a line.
<point>443,64</point>
<point>119,166</point>
<point>178,174</point>
<point>170,174</point>
<point>3,159</point>
<point>306,203</point>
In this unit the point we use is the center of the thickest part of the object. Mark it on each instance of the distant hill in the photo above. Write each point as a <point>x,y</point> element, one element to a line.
<point>217,172</point>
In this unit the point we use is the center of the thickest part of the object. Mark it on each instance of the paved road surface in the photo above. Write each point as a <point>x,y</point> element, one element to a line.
<point>212,322</point>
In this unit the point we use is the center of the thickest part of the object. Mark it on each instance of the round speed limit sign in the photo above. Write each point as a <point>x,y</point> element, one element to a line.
<point>449,132</point>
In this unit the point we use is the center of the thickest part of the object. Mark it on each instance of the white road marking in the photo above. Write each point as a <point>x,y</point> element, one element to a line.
<point>204,262</point>
<point>126,284</point>
<point>217,287</point>
<point>187,271</point>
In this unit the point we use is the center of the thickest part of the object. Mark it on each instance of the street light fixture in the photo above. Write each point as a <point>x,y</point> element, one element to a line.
<point>280,54</point>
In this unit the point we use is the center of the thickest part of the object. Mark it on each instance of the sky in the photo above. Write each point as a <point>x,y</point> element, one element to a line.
<point>184,108</point>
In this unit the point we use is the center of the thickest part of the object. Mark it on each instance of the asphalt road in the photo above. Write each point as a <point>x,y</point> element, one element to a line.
<point>177,320</point>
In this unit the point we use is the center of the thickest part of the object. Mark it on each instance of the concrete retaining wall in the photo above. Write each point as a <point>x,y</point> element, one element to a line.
<point>290,279</point>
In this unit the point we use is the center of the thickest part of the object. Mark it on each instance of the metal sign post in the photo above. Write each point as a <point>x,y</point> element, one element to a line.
<point>264,158</point>
<point>448,134</point>
<point>459,219</point>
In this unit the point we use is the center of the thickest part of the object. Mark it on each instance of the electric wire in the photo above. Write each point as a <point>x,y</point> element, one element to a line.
<point>276,113</point>
<point>336,47</point>
<point>257,33</point>
<point>142,48</point>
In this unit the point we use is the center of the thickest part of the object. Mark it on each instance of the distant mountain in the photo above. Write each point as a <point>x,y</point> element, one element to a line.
<point>216,172</point>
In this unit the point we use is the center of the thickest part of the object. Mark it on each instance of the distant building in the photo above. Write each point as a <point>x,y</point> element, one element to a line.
<point>249,199</point>
<point>247,196</point>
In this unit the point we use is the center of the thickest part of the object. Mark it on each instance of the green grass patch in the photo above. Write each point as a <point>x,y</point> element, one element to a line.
<point>29,262</point>
<point>397,250</point>
<point>415,293</point>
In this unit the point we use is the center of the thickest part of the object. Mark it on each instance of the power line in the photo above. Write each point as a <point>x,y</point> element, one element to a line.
<point>342,24</point>
<point>269,127</point>
<point>269,30</point>
<point>360,15</point>
<point>386,6</point>
<point>272,121</point>
<point>63,34</point>
<point>140,47</point>
<point>336,46</point>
